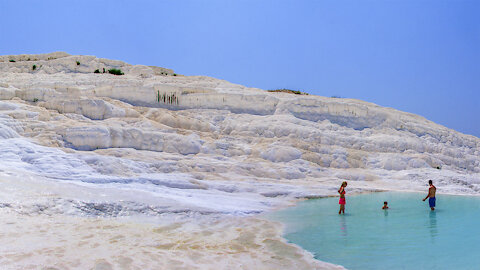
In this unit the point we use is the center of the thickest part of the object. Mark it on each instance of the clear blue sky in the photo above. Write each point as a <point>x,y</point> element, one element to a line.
<point>418,56</point>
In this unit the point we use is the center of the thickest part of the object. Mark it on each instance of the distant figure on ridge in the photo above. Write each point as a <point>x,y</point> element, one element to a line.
<point>341,190</point>
<point>431,195</point>
<point>385,205</point>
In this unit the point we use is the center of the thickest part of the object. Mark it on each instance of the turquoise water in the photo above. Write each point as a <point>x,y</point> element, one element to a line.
<point>407,236</point>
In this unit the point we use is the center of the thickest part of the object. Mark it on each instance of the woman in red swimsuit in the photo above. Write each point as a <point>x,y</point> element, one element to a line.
<point>341,190</point>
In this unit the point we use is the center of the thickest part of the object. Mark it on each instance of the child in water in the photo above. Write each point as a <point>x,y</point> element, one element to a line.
<point>385,205</point>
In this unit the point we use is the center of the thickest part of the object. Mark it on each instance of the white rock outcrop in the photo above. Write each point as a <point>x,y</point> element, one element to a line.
<point>248,148</point>
<point>78,141</point>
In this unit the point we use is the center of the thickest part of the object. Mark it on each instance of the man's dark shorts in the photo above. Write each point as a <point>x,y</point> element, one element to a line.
<point>431,202</point>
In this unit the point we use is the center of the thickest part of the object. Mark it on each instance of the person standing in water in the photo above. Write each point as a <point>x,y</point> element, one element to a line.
<point>341,190</point>
<point>431,195</point>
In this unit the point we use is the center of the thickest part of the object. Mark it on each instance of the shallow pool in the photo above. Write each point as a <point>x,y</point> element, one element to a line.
<point>407,236</point>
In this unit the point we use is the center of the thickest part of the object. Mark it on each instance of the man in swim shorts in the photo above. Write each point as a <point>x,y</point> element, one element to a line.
<point>431,195</point>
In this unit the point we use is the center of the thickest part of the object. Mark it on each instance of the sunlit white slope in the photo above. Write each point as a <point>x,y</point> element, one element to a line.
<point>193,144</point>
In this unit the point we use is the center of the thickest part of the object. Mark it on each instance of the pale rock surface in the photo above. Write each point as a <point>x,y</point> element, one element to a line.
<point>281,154</point>
<point>152,147</point>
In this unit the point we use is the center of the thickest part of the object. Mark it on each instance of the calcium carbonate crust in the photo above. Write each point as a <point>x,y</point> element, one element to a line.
<point>155,144</point>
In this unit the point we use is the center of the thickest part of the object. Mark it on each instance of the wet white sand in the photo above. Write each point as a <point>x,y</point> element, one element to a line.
<point>66,242</point>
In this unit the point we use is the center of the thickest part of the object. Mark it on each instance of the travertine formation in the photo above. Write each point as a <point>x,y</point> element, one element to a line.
<point>155,143</point>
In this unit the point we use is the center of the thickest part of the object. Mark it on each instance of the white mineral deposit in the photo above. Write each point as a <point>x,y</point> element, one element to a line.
<point>154,170</point>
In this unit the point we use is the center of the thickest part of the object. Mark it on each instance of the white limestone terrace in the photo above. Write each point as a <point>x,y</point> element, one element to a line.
<point>211,142</point>
<point>151,144</point>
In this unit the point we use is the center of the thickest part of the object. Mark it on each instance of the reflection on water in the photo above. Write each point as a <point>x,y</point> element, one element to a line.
<point>433,225</point>
<point>343,226</point>
<point>385,212</point>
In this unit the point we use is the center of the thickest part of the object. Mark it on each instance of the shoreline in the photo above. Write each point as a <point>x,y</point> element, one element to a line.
<point>67,242</point>
<point>218,240</point>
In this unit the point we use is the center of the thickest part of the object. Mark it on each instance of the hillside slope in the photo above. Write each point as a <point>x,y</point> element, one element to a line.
<point>154,143</point>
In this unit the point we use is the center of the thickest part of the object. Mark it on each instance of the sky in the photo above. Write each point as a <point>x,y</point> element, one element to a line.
<point>418,56</point>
